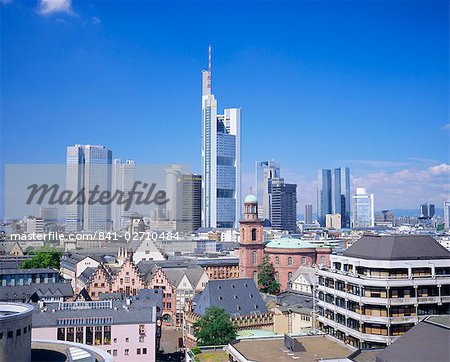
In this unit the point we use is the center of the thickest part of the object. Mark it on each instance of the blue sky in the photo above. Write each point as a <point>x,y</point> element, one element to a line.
<point>363,84</point>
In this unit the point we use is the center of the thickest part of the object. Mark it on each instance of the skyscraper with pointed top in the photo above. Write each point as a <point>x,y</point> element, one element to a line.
<point>221,160</point>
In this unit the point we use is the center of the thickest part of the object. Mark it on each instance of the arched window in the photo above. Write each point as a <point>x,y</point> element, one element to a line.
<point>254,257</point>
<point>289,276</point>
<point>322,260</point>
<point>303,260</point>
<point>277,277</point>
<point>253,234</point>
<point>290,260</point>
<point>255,277</point>
<point>277,260</point>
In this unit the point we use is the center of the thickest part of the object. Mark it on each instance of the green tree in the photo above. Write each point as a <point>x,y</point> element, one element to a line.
<point>46,257</point>
<point>266,277</point>
<point>214,328</point>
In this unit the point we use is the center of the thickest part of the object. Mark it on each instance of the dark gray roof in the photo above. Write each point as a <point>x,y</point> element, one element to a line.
<point>24,292</point>
<point>28,271</point>
<point>287,299</point>
<point>427,341</point>
<point>397,247</point>
<point>139,311</point>
<point>9,265</point>
<point>235,296</point>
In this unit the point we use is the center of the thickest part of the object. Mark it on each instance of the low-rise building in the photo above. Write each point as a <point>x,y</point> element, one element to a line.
<point>126,329</point>
<point>239,298</point>
<point>381,287</point>
<point>14,276</point>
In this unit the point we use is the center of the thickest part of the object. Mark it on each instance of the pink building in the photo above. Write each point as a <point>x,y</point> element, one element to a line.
<point>125,329</point>
<point>128,279</point>
<point>286,254</point>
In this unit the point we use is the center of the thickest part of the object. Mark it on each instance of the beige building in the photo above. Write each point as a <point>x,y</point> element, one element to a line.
<point>333,221</point>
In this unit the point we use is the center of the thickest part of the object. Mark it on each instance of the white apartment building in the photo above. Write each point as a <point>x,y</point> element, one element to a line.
<point>381,287</point>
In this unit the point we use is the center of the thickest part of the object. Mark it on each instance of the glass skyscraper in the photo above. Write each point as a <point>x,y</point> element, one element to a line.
<point>324,200</point>
<point>265,172</point>
<point>363,209</point>
<point>221,160</point>
<point>341,193</point>
<point>88,168</point>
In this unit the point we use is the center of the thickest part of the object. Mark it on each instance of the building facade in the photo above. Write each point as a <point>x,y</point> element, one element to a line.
<point>126,329</point>
<point>324,200</point>
<point>308,214</point>
<point>363,209</point>
<point>88,167</point>
<point>123,178</point>
<point>341,199</point>
<point>381,287</point>
<point>265,172</point>
<point>283,211</point>
<point>286,254</point>
<point>221,160</point>
<point>447,214</point>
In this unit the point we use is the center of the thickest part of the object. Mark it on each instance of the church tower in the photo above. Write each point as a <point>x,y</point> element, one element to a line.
<point>251,247</point>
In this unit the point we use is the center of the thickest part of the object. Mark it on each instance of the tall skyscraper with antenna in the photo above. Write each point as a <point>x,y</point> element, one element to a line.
<point>221,160</point>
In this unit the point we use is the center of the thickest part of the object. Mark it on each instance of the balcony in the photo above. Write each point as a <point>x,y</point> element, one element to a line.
<point>364,318</point>
<point>357,334</point>
<point>392,281</point>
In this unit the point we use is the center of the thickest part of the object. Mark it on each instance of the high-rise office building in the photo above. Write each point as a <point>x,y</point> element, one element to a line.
<point>221,160</point>
<point>427,211</point>
<point>123,178</point>
<point>324,200</point>
<point>284,205</point>
<point>363,209</point>
<point>308,214</point>
<point>341,195</point>
<point>172,175</point>
<point>88,168</point>
<point>49,214</point>
<point>447,214</point>
<point>265,172</point>
<point>189,202</point>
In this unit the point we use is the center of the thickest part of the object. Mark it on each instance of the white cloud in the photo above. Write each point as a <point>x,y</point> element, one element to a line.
<point>446,127</point>
<point>96,20</point>
<point>49,7</point>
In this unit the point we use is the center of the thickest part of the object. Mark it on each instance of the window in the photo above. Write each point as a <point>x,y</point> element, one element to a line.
<point>89,335</point>
<point>144,350</point>
<point>115,340</point>
<point>277,260</point>
<point>303,260</point>
<point>1,335</point>
<point>98,335</point>
<point>61,334</point>
<point>141,339</point>
<point>253,234</point>
<point>107,334</point>
<point>70,334</point>
<point>18,332</point>
<point>289,261</point>
<point>254,257</point>
<point>322,260</point>
<point>127,339</point>
<point>289,276</point>
<point>10,334</point>
<point>127,352</point>
<point>79,335</point>
<point>138,351</point>
<point>115,352</point>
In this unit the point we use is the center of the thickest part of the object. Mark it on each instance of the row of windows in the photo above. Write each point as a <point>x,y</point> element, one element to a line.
<point>126,352</point>
<point>19,331</point>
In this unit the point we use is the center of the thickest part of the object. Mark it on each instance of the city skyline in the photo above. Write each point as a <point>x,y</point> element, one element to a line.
<point>383,160</point>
